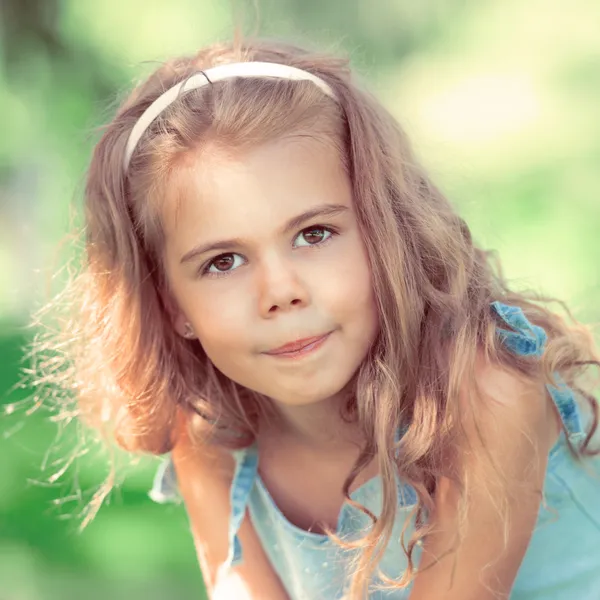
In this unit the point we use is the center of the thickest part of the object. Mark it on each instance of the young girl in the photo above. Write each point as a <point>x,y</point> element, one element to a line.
<point>352,401</point>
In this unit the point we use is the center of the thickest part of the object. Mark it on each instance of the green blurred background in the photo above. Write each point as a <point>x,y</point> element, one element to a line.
<point>500,98</point>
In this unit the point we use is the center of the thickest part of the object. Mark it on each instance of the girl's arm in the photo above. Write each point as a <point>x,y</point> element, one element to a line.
<point>517,428</point>
<point>204,479</point>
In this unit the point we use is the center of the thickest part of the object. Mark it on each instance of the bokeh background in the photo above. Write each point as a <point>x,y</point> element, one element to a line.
<point>500,97</point>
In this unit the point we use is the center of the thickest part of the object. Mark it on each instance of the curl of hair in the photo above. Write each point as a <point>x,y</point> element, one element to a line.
<point>116,362</point>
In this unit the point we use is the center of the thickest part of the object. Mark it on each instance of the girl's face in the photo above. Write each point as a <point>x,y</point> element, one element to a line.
<point>263,249</point>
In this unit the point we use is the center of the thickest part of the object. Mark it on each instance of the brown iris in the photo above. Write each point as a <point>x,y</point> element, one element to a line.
<point>223,262</point>
<point>318,232</point>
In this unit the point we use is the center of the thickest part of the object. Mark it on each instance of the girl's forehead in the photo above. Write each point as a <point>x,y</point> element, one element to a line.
<point>217,186</point>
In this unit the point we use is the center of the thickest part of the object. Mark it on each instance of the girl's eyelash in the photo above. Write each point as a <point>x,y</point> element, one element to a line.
<point>204,270</point>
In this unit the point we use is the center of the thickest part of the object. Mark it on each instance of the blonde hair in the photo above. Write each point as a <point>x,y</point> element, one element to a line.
<point>118,365</point>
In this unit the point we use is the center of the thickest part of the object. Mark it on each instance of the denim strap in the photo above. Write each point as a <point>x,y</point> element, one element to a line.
<point>243,481</point>
<point>164,486</point>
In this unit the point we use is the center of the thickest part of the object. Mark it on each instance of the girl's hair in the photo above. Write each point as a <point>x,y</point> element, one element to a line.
<point>117,363</point>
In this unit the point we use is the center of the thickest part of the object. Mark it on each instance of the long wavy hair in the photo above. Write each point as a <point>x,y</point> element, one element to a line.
<point>116,363</point>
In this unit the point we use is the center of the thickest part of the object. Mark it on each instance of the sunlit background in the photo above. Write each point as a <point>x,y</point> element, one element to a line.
<point>500,97</point>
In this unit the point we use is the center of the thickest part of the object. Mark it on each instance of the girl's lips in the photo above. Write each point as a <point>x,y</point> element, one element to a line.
<point>297,346</point>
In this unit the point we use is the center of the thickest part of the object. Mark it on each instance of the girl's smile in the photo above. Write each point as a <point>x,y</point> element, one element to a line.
<point>299,348</point>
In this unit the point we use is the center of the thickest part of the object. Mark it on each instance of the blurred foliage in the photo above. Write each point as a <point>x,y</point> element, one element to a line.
<point>500,98</point>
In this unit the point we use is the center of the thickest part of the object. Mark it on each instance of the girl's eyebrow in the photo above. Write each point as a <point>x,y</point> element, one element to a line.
<point>322,210</point>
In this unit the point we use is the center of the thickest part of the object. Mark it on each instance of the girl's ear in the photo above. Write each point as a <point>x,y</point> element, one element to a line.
<point>184,327</point>
<point>177,319</point>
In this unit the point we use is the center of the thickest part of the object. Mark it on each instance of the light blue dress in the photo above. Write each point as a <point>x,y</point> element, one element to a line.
<point>562,561</point>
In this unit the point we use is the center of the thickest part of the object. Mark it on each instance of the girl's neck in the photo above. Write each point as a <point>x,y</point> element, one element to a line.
<point>317,426</point>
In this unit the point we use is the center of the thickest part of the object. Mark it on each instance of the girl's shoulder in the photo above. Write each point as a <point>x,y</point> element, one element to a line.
<point>555,404</point>
<point>203,477</point>
<point>506,405</point>
<point>191,461</point>
<point>501,399</point>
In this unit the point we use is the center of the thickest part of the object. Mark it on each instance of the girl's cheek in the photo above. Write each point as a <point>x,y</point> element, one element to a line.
<point>222,322</point>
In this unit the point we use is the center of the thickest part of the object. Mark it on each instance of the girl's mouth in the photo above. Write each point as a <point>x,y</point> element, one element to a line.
<point>299,347</point>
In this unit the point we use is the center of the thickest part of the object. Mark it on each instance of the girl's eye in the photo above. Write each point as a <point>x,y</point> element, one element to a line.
<point>315,235</point>
<point>222,264</point>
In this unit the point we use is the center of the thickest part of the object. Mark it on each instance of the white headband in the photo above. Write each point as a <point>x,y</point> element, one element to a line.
<point>202,78</point>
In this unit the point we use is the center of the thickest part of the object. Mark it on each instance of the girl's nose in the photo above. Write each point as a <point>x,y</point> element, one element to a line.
<point>280,288</point>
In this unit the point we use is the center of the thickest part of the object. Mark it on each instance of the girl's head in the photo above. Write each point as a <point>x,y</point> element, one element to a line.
<point>254,212</point>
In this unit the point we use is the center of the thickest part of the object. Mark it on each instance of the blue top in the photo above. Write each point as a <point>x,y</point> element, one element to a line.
<point>563,558</point>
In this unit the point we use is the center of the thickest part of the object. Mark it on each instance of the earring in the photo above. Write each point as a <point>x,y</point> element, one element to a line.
<point>188,332</point>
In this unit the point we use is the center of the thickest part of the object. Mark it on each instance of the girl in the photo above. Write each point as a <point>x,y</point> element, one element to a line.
<point>353,402</point>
